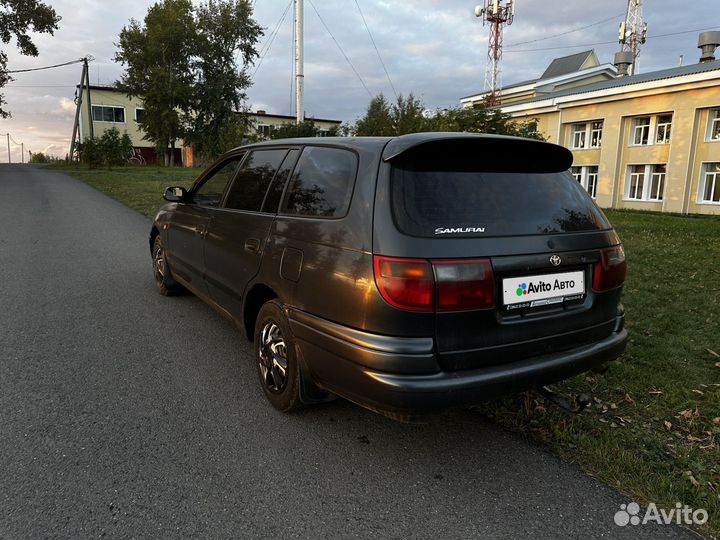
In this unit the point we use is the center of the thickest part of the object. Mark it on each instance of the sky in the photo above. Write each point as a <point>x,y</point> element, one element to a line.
<point>436,49</point>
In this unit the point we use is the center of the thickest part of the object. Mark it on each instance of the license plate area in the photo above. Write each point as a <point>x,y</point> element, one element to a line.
<point>532,291</point>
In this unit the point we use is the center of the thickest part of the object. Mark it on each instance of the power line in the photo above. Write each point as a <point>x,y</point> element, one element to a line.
<point>341,49</point>
<point>376,49</point>
<point>266,48</point>
<point>610,42</point>
<point>614,17</point>
<point>39,86</point>
<point>47,67</point>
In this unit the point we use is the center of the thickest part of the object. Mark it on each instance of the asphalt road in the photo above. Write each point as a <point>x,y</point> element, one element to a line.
<point>128,414</point>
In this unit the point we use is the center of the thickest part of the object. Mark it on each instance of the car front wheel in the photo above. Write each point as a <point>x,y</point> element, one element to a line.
<point>164,281</point>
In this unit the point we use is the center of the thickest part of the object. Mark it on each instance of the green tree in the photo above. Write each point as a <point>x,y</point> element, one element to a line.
<point>234,132</point>
<point>483,119</point>
<point>378,119</point>
<point>224,29</point>
<point>158,57</point>
<point>18,18</point>
<point>408,115</point>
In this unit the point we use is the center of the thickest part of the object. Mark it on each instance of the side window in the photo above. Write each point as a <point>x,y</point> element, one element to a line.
<point>274,194</point>
<point>212,189</point>
<point>248,190</point>
<point>322,183</point>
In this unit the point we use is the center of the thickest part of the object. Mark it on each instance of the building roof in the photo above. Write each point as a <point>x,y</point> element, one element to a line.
<point>287,117</point>
<point>111,88</point>
<point>564,66</point>
<point>567,64</point>
<point>663,74</point>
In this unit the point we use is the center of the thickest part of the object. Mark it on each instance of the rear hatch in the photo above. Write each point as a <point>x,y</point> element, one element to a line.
<point>509,212</point>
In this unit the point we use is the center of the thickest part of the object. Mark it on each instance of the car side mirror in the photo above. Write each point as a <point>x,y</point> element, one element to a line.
<point>175,194</point>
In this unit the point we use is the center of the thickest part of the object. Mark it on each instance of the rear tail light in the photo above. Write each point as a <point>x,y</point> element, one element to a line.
<point>422,285</point>
<point>463,285</point>
<point>405,283</point>
<point>610,271</point>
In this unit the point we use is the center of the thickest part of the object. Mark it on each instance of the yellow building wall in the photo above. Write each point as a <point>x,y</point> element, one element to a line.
<point>115,99</point>
<point>705,151</point>
<point>684,156</point>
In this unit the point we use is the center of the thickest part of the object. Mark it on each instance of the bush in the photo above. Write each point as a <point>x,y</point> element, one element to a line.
<point>110,150</point>
<point>90,153</point>
<point>39,157</point>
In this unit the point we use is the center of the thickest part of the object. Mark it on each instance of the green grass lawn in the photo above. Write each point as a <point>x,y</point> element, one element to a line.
<point>653,431</point>
<point>140,188</point>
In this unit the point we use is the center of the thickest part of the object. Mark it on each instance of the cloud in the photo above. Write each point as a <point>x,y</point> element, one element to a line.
<point>434,48</point>
<point>67,105</point>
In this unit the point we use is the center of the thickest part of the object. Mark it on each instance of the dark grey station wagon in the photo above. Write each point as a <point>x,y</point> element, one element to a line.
<point>404,274</point>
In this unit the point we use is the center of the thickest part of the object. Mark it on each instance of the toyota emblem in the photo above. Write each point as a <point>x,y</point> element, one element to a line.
<point>555,260</point>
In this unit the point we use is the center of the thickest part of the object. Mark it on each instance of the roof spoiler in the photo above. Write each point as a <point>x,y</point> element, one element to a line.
<point>481,152</point>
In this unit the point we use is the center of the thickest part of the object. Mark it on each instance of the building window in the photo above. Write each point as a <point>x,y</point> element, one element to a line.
<point>108,113</point>
<point>579,132</point>
<point>577,174</point>
<point>587,135</point>
<point>714,125</point>
<point>587,178</point>
<point>139,115</point>
<point>263,130</point>
<point>323,133</point>
<point>641,130</point>
<point>643,126</point>
<point>596,129</point>
<point>657,182</point>
<point>662,132</point>
<point>710,183</point>
<point>637,180</point>
<point>592,177</point>
<point>646,182</point>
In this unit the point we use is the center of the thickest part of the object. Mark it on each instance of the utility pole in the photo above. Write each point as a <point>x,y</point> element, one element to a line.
<point>299,62</point>
<point>633,33</point>
<point>496,15</point>
<point>8,141</point>
<point>91,127</point>
<point>22,152</point>
<point>76,125</point>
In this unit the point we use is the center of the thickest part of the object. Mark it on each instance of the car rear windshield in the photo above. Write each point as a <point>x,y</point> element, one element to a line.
<point>450,203</point>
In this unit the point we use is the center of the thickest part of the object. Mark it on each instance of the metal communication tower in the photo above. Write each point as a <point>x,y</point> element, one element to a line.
<point>633,32</point>
<point>496,14</point>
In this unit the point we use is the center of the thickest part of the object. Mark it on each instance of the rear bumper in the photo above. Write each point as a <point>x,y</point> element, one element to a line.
<point>400,376</point>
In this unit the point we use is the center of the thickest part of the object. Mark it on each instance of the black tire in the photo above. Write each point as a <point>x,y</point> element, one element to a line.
<point>164,281</point>
<point>276,359</point>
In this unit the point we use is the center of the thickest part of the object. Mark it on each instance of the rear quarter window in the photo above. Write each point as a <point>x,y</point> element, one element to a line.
<point>447,203</point>
<point>322,183</point>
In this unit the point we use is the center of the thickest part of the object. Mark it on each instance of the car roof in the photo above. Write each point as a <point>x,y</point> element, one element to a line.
<point>393,146</point>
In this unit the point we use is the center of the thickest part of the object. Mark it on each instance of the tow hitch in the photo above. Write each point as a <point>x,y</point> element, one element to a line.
<point>581,400</point>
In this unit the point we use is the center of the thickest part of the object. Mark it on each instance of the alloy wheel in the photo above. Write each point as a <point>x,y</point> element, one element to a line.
<point>273,357</point>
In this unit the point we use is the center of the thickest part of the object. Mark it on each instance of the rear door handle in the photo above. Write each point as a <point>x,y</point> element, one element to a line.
<point>252,245</point>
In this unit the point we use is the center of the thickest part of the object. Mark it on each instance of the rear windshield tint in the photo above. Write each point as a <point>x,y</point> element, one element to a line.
<point>441,203</point>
